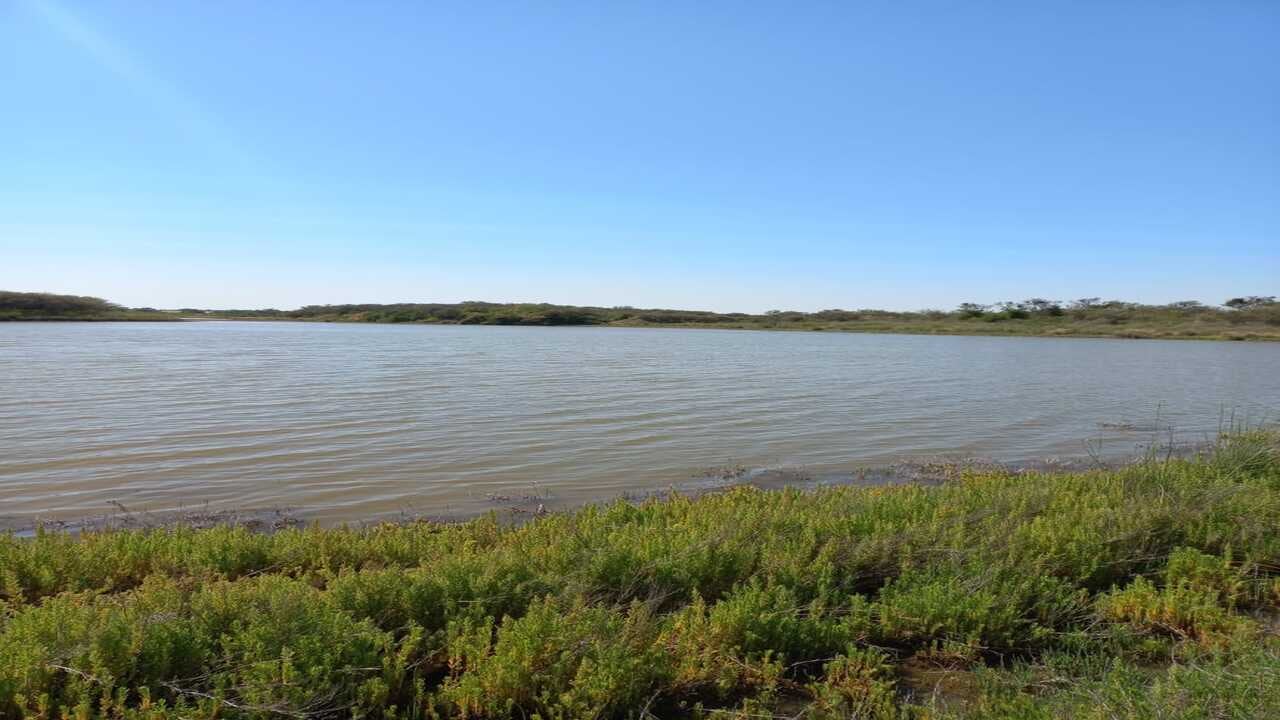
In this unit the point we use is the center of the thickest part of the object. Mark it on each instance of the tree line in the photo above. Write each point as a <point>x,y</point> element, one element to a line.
<point>1264,308</point>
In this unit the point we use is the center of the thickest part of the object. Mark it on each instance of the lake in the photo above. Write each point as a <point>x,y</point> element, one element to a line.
<point>350,422</point>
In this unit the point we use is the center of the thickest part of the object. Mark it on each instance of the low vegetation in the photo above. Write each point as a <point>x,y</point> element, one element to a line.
<point>1243,318</point>
<point>47,306</point>
<point>1251,318</point>
<point>1149,591</point>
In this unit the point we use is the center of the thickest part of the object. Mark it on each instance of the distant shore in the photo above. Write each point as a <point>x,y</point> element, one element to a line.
<point>105,317</point>
<point>1250,333</point>
<point>1249,318</point>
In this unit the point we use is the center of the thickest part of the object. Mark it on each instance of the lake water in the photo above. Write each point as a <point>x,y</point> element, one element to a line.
<point>359,422</point>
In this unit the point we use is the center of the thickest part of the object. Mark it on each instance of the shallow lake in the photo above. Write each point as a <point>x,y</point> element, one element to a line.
<point>361,422</point>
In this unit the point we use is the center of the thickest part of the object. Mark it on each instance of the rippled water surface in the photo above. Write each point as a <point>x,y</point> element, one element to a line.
<point>355,422</point>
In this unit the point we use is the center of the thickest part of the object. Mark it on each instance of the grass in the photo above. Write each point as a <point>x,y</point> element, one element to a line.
<point>1150,591</point>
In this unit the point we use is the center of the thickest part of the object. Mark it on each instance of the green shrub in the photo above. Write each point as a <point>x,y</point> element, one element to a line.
<point>553,662</point>
<point>858,683</point>
<point>1140,590</point>
<point>1179,610</point>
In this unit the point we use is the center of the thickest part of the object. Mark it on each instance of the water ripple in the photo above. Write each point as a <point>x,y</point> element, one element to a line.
<point>353,422</point>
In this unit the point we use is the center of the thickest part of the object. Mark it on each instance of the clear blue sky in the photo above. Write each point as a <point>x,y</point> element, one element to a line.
<point>729,156</point>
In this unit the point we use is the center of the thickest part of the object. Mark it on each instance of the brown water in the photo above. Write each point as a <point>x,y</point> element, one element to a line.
<point>357,422</point>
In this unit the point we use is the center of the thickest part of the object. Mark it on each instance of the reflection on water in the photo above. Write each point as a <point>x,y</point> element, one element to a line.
<point>352,422</point>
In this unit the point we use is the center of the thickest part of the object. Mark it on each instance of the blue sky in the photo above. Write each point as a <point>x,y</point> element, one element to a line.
<point>728,156</point>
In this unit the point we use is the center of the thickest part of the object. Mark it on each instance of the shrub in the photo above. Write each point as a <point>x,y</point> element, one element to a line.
<point>858,683</point>
<point>1045,593</point>
<point>555,662</point>
<point>1179,610</point>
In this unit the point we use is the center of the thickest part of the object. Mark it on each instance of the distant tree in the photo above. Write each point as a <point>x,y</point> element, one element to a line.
<point>54,305</point>
<point>838,315</point>
<point>1186,305</point>
<point>1250,301</point>
<point>972,310</point>
<point>1016,311</point>
<point>1041,305</point>
<point>1085,303</point>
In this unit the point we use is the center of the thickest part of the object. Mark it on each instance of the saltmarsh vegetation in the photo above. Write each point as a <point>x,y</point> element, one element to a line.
<point>1149,591</point>
<point>1244,318</point>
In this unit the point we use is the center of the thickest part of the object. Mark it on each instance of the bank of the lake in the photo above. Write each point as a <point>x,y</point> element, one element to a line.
<point>1033,318</point>
<point>1149,591</point>
<point>1168,330</point>
<point>1245,318</point>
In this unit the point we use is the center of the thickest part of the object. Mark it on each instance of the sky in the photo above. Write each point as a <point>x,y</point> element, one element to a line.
<point>717,155</point>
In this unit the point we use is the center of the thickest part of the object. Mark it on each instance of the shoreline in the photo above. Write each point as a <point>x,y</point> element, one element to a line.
<point>1071,594</point>
<point>1253,317</point>
<point>1054,333</point>
<point>517,508</point>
